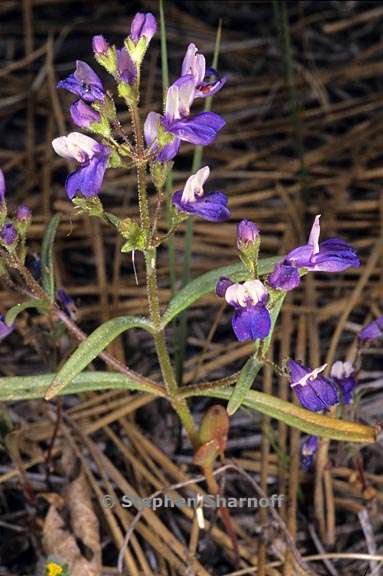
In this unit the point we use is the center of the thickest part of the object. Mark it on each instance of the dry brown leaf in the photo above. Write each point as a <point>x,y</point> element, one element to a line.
<point>72,534</point>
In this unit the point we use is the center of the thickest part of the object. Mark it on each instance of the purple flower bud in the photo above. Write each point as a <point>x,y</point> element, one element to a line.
<point>5,330</point>
<point>2,187</point>
<point>23,214</point>
<point>84,115</point>
<point>308,450</point>
<point>8,234</point>
<point>222,285</point>
<point>66,303</point>
<point>143,25</point>
<point>372,331</point>
<point>99,44</point>
<point>247,233</point>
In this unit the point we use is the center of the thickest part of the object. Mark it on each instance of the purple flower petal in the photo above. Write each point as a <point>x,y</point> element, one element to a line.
<point>126,67</point>
<point>83,115</point>
<point>334,255</point>
<point>206,89</point>
<point>300,257</point>
<point>2,187</point>
<point>247,233</point>
<point>5,330</point>
<point>222,285</point>
<point>143,25</point>
<point>87,179</point>
<point>84,83</point>
<point>316,393</point>
<point>308,450</point>
<point>284,277</point>
<point>211,207</point>
<point>372,331</point>
<point>8,234</point>
<point>201,129</point>
<point>251,323</point>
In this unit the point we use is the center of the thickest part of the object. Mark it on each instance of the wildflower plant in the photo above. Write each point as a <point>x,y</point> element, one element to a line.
<point>255,288</point>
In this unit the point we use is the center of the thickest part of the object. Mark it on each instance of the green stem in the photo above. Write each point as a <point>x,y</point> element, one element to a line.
<point>179,405</point>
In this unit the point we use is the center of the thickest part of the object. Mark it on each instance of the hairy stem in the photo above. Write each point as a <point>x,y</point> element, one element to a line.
<point>179,404</point>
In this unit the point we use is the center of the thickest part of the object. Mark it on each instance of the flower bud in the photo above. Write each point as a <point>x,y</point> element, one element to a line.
<point>104,53</point>
<point>142,30</point>
<point>8,234</point>
<point>248,241</point>
<point>100,45</point>
<point>247,233</point>
<point>23,214</point>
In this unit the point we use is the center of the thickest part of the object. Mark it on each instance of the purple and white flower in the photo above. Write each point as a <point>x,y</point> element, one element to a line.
<point>251,319</point>
<point>372,331</point>
<point>343,374</point>
<point>333,255</point>
<point>193,200</point>
<point>84,83</point>
<point>309,448</point>
<point>84,115</point>
<point>165,132</point>
<point>314,391</point>
<point>93,160</point>
<point>194,64</point>
<point>5,330</point>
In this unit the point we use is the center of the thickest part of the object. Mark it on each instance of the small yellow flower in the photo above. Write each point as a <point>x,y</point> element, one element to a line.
<point>54,569</point>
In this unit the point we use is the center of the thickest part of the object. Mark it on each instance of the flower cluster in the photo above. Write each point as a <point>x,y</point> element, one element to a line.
<point>12,230</point>
<point>251,320</point>
<point>94,110</point>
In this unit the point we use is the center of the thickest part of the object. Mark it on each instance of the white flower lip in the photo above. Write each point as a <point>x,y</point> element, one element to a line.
<point>194,185</point>
<point>249,293</point>
<point>310,376</point>
<point>341,369</point>
<point>75,146</point>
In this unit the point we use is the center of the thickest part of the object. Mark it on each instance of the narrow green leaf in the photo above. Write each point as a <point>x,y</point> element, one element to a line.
<point>29,387</point>
<point>13,312</point>
<point>245,381</point>
<point>253,365</point>
<point>206,283</point>
<point>90,348</point>
<point>297,417</point>
<point>47,267</point>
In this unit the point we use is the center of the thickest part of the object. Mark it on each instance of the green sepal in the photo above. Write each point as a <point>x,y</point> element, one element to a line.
<point>127,92</point>
<point>136,51</point>
<point>114,160</point>
<point>249,255</point>
<point>91,206</point>
<point>102,128</point>
<point>159,172</point>
<point>108,60</point>
<point>133,234</point>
